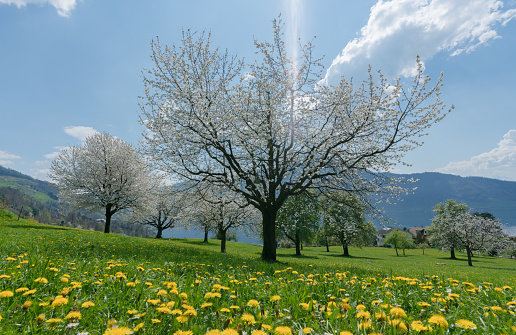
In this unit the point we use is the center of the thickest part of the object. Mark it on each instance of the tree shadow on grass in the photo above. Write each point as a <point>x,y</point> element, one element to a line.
<point>296,256</point>
<point>351,257</point>
<point>34,226</point>
<point>191,241</point>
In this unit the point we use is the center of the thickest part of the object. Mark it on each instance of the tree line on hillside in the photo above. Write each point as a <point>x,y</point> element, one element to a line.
<point>27,207</point>
<point>249,137</point>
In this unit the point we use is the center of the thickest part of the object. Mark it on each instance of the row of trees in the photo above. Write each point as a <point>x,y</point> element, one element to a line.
<point>265,131</point>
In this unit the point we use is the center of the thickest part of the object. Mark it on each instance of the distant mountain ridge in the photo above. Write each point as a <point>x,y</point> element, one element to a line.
<point>480,194</point>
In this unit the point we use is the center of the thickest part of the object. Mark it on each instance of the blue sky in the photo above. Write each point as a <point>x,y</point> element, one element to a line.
<point>69,68</point>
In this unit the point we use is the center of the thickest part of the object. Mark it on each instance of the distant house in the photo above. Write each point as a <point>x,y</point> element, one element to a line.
<point>422,231</point>
<point>382,234</point>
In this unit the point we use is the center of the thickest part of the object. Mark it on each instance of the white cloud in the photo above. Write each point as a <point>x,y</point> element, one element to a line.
<point>498,163</point>
<point>64,7</point>
<point>399,30</point>
<point>5,158</point>
<point>80,132</point>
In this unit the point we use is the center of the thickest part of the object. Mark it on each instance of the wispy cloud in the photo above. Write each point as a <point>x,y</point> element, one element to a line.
<point>64,7</point>
<point>399,30</point>
<point>80,132</point>
<point>5,158</point>
<point>498,163</point>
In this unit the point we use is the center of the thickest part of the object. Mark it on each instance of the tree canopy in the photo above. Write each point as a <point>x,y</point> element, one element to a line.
<point>105,173</point>
<point>269,130</point>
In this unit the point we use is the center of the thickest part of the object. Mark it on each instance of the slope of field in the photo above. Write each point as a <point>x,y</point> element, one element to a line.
<point>60,280</point>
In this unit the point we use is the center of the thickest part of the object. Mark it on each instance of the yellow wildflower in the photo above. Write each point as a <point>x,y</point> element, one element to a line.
<point>282,330</point>
<point>253,303</point>
<point>87,304</point>
<point>398,312</point>
<point>438,321</point>
<point>248,319</point>
<point>54,320</point>
<point>465,324</point>
<point>6,294</point>
<point>118,331</point>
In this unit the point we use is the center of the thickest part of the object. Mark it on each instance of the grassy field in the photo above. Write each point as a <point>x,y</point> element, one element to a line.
<point>68,281</point>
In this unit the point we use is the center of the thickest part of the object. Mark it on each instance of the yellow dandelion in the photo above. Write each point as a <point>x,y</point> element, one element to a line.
<point>398,312</point>
<point>183,332</point>
<point>183,295</point>
<point>345,332</point>
<point>283,330</point>
<point>399,324</point>
<point>21,289</point>
<point>225,310</point>
<point>258,332</point>
<point>365,325</point>
<point>465,324</point>
<point>363,315</point>
<point>423,304</point>
<point>438,321</point>
<point>253,303</point>
<point>229,331</point>
<point>132,312</point>
<point>182,319</point>
<point>248,319</point>
<point>54,320</point>
<point>154,301</point>
<point>304,306</point>
<point>190,312</point>
<point>164,310</point>
<point>275,298</point>
<point>87,304</point>
<point>74,315</point>
<point>139,326</point>
<point>118,331</point>
<point>361,307</point>
<point>213,332</point>
<point>27,304</point>
<point>418,326</point>
<point>41,280</point>
<point>177,312</point>
<point>497,308</point>
<point>206,304</point>
<point>59,301</point>
<point>6,294</point>
<point>161,292</point>
<point>307,330</point>
<point>29,292</point>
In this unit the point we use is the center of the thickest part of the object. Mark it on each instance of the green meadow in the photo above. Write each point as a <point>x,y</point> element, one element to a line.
<point>56,280</point>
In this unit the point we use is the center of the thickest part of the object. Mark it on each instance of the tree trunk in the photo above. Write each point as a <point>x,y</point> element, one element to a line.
<point>159,234</point>
<point>346,250</point>
<point>403,252</point>
<point>298,243</point>
<point>108,218</point>
<point>396,251</point>
<point>269,234</point>
<point>327,245</point>
<point>452,253</point>
<point>206,230</point>
<point>222,234</point>
<point>469,252</point>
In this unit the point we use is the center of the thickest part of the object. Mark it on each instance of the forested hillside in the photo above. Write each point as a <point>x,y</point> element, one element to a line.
<point>38,199</point>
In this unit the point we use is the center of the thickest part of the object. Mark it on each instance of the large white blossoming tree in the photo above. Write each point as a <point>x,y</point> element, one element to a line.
<point>105,173</point>
<point>270,130</point>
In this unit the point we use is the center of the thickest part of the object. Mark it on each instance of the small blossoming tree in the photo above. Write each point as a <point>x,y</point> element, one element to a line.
<point>105,173</point>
